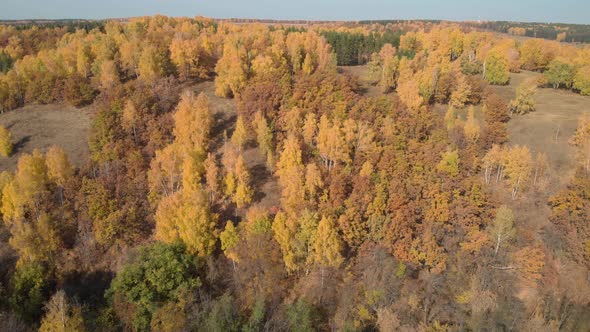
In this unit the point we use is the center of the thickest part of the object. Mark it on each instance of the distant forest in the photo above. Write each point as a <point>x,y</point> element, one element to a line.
<point>579,33</point>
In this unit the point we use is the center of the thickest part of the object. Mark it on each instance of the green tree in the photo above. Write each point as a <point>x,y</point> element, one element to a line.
<point>229,240</point>
<point>301,317</point>
<point>223,316</point>
<point>29,291</point>
<point>523,103</point>
<point>449,163</point>
<point>256,321</point>
<point>496,69</point>
<point>582,80</point>
<point>157,274</point>
<point>560,74</point>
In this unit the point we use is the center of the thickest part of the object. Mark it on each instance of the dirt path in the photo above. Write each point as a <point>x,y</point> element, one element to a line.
<point>266,187</point>
<point>41,126</point>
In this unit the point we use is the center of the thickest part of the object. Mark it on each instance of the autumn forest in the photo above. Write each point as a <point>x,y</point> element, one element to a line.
<point>328,176</point>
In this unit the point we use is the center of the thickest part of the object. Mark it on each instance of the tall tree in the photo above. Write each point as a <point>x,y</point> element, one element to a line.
<point>61,316</point>
<point>5,142</point>
<point>503,227</point>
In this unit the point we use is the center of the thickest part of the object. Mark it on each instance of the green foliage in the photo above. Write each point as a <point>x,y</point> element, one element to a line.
<point>157,274</point>
<point>29,292</point>
<point>301,316</point>
<point>401,270</point>
<point>223,316</point>
<point>523,103</point>
<point>356,48</point>
<point>449,163</point>
<point>496,69</point>
<point>582,80</point>
<point>560,74</point>
<point>256,321</point>
<point>470,67</point>
<point>5,62</point>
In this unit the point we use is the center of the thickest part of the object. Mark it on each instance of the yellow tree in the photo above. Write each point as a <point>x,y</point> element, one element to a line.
<point>109,74</point>
<point>471,128</point>
<point>308,66</point>
<point>331,143</point>
<point>449,163</point>
<point>35,240</point>
<point>518,168</point>
<point>186,216</point>
<point>290,172</point>
<point>5,142</point>
<point>524,103</point>
<point>231,69</point>
<point>462,92</point>
<point>581,140</point>
<point>59,168</point>
<point>129,118</point>
<point>450,118</point>
<point>151,64</point>
<point>310,128</point>
<point>165,174</point>
<point>193,121</point>
<point>530,262</point>
<point>29,186</point>
<point>212,176</point>
<point>185,55</point>
<point>503,227</point>
<point>495,69</point>
<point>327,246</point>
<point>264,137</point>
<point>61,316</point>
<point>83,60</point>
<point>313,182</point>
<point>409,93</point>
<point>240,134</point>
<point>243,194</point>
<point>229,240</point>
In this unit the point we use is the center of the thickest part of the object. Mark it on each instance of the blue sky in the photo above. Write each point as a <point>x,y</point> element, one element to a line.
<point>567,11</point>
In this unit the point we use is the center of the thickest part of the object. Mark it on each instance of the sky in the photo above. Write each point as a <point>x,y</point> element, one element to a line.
<point>565,11</point>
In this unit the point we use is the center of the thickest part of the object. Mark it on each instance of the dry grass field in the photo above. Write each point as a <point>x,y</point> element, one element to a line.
<point>41,126</point>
